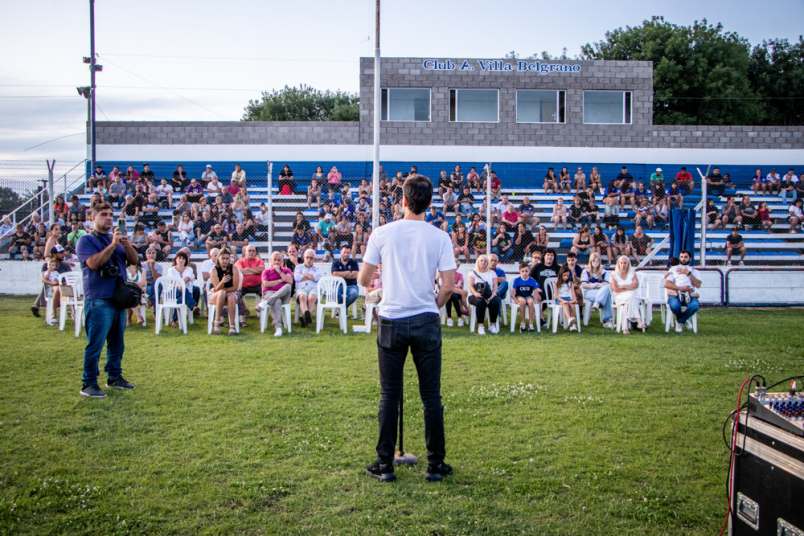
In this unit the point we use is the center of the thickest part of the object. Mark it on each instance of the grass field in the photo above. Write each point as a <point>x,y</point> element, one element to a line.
<point>568,434</point>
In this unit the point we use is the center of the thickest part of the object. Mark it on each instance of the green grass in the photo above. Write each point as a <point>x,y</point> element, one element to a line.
<point>567,434</point>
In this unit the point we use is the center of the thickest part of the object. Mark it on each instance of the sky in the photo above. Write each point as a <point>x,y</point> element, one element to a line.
<point>203,60</point>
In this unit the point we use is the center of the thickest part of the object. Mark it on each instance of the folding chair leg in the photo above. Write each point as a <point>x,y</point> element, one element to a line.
<point>514,308</point>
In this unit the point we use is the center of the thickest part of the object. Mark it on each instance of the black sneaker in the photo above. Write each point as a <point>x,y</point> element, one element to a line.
<point>92,391</point>
<point>119,383</point>
<point>35,311</point>
<point>522,329</point>
<point>303,321</point>
<point>436,473</point>
<point>383,472</point>
<point>308,318</point>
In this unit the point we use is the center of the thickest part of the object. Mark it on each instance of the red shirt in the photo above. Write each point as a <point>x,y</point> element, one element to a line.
<point>271,276</point>
<point>683,176</point>
<point>250,280</point>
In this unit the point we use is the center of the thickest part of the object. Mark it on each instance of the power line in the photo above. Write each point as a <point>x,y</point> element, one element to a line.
<point>232,58</point>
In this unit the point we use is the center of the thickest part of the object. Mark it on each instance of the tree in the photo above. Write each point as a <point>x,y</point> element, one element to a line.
<point>776,71</point>
<point>9,200</point>
<point>700,72</point>
<point>302,103</point>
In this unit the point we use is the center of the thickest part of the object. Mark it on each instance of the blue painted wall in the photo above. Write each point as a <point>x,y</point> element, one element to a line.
<point>513,174</point>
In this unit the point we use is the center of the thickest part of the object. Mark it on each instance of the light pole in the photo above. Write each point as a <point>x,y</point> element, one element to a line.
<point>375,171</point>
<point>90,96</point>
<point>86,92</point>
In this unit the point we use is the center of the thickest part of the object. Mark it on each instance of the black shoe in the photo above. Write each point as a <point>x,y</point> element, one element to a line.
<point>303,321</point>
<point>436,473</point>
<point>92,391</point>
<point>308,318</point>
<point>522,329</point>
<point>35,311</point>
<point>384,472</point>
<point>119,383</point>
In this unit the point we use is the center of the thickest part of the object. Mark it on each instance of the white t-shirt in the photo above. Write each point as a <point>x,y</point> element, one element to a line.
<point>411,253</point>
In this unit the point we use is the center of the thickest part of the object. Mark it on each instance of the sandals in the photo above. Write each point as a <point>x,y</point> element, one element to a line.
<point>232,331</point>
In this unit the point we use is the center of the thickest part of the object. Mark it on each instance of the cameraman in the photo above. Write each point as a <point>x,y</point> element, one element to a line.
<point>103,255</point>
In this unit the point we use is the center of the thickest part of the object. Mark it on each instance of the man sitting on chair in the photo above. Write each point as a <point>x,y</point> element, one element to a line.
<point>682,282</point>
<point>347,268</point>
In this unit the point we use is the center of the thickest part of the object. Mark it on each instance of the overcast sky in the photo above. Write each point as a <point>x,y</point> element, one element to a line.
<point>203,60</point>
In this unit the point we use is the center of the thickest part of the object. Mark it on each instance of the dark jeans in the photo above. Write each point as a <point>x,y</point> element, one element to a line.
<point>352,292</point>
<point>422,335</point>
<point>493,305</point>
<point>104,323</point>
<point>675,305</point>
<point>502,290</point>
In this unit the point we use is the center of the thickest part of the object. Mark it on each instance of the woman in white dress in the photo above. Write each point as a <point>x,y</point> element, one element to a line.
<point>624,285</point>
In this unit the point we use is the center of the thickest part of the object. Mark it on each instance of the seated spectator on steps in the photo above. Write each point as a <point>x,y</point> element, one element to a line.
<point>526,293</point>
<point>502,282</point>
<point>716,185</point>
<point>457,301</point>
<point>550,184</point>
<point>287,184</point>
<point>239,175</point>
<point>624,285</point>
<point>795,216</point>
<point>734,242</point>
<point>640,244</point>
<point>482,285</point>
<point>559,216</point>
<point>682,283</point>
<point>787,188</point>
<point>251,267</point>
<point>596,288</point>
<point>334,178</point>
<point>502,245</point>
<point>306,275</point>
<point>224,290</point>
<point>276,285</point>
<point>347,268</point>
<point>684,180</point>
<point>314,193</point>
<point>748,213</point>
<point>582,243</point>
<point>21,243</point>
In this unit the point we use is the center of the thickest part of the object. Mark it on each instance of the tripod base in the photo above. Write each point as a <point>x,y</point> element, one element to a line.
<point>405,458</point>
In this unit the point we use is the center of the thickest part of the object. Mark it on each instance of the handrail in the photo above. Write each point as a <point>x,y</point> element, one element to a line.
<point>652,254</point>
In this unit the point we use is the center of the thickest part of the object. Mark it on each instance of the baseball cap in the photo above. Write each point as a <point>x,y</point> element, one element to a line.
<point>56,249</point>
<point>658,170</point>
<point>209,165</point>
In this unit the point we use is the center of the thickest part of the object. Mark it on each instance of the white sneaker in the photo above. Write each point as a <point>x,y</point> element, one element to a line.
<point>460,322</point>
<point>608,325</point>
<point>260,306</point>
<point>493,329</point>
<point>449,322</point>
<point>679,328</point>
<point>689,324</point>
<point>278,332</point>
<point>481,330</point>
<point>742,263</point>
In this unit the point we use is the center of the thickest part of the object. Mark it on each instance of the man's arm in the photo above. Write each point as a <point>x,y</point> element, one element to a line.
<point>447,287</point>
<point>365,275</point>
<point>102,257</point>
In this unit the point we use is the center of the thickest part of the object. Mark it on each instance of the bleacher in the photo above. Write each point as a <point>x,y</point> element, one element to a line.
<point>778,247</point>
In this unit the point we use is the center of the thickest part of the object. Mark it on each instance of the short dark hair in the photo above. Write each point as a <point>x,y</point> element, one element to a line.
<point>103,205</point>
<point>182,255</point>
<point>572,255</point>
<point>523,264</point>
<point>684,251</point>
<point>418,192</point>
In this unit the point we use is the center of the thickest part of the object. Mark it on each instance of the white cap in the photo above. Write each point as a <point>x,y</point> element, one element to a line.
<point>658,170</point>
<point>209,165</point>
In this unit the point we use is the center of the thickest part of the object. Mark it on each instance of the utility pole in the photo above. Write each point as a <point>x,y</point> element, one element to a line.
<point>375,169</point>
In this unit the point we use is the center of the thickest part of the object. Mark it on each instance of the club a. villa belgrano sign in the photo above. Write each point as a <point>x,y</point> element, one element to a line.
<point>500,66</point>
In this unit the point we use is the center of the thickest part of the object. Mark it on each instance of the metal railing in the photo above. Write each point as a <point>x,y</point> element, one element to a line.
<point>39,202</point>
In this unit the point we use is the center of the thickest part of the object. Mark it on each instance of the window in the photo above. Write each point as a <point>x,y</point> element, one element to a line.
<point>406,104</point>
<point>607,107</point>
<point>478,105</point>
<point>540,106</point>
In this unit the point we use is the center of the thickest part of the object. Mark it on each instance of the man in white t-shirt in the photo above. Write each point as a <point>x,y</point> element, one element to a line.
<point>682,283</point>
<point>409,319</point>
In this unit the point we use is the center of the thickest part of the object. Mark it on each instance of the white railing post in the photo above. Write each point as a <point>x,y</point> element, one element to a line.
<point>703,204</point>
<point>270,208</point>
<point>488,208</point>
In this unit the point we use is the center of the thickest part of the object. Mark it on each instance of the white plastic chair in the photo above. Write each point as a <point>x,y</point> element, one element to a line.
<point>211,308</point>
<point>285,318</point>
<point>515,312</point>
<point>651,286</point>
<point>670,320</point>
<point>556,314</point>
<point>473,318</point>
<point>169,296</point>
<point>328,290</point>
<point>72,297</point>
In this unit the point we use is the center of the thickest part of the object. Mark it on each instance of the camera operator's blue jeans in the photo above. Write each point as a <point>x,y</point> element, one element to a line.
<point>104,323</point>
<point>675,305</point>
<point>352,292</point>
<point>422,335</point>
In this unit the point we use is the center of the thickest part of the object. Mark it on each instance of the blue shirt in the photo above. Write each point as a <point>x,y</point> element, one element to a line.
<point>348,266</point>
<point>96,286</point>
<point>525,288</point>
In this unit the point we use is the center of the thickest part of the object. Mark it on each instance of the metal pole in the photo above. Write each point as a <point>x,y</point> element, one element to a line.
<point>51,217</point>
<point>375,169</point>
<point>92,82</point>
<point>703,213</point>
<point>270,209</point>
<point>488,209</point>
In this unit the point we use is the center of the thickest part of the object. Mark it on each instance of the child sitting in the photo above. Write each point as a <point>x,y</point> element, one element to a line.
<point>525,291</point>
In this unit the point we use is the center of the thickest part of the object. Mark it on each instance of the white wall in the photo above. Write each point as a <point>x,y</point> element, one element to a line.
<point>433,153</point>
